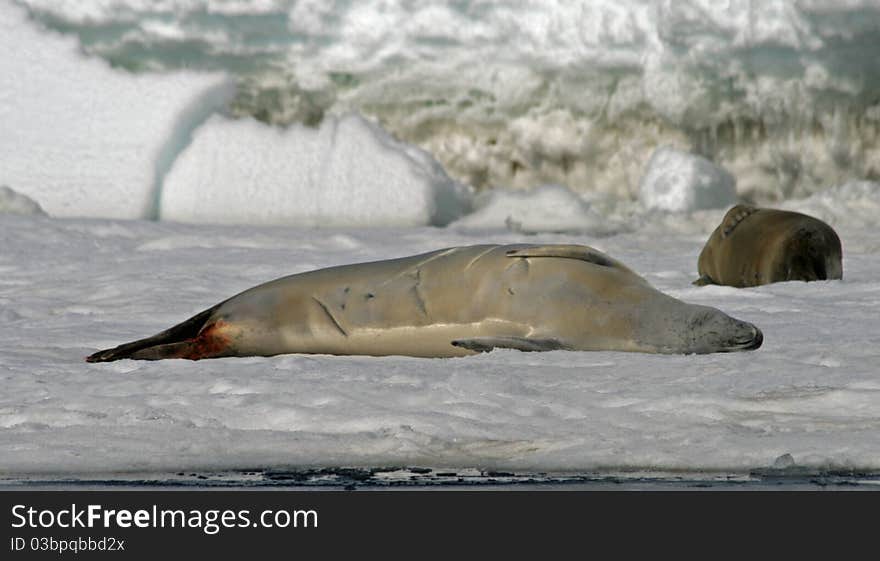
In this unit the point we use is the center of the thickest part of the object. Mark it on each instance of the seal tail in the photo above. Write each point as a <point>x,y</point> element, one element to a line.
<point>184,340</point>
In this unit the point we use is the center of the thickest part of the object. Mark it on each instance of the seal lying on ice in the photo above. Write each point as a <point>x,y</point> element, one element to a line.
<point>452,302</point>
<point>754,246</point>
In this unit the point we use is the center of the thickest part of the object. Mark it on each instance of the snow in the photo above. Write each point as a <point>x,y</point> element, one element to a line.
<point>82,139</point>
<point>811,391</point>
<point>346,172</point>
<point>855,204</point>
<point>680,182</point>
<point>547,208</point>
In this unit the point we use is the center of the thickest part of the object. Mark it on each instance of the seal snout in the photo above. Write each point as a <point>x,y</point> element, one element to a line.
<point>748,338</point>
<point>756,339</point>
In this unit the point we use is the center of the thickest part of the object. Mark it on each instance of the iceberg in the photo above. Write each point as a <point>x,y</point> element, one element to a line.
<point>348,172</point>
<point>676,181</point>
<point>85,139</point>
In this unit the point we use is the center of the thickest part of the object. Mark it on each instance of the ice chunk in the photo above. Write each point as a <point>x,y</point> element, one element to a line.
<point>548,208</point>
<point>348,172</point>
<point>85,139</point>
<point>12,202</point>
<point>783,462</point>
<point>680,182</point>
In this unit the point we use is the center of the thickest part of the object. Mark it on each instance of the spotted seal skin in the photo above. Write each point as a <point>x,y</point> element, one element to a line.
<point>754,246</point>
<point>452,302</point>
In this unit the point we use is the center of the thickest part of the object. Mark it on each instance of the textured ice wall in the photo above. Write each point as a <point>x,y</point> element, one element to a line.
<point>782,93</point>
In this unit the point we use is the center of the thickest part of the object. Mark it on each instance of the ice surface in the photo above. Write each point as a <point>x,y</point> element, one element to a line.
<point>346,172</point>
<point>783,93</point>
<point>83,139</point>
<point>70,287</point>
<point>12,202</point>
<point>681,182</point>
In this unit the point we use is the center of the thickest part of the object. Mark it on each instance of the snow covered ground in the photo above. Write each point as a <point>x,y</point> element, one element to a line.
<point>71,286</point>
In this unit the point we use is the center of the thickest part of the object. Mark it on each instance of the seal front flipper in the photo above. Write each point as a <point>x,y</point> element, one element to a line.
<point>703,281</point>
<point>566,251</point>
<point>486,344</point>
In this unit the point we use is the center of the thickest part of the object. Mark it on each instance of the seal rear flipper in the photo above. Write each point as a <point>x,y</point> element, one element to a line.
<point>734,216</point>
<point>486,344</point>
<point>180,334</point>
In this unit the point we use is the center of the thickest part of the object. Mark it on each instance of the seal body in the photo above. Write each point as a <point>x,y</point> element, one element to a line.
<point>452,302</point>
<point>754,246</point>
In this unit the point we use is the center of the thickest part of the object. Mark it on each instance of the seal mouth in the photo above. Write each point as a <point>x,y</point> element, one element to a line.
<point>750,343</point>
